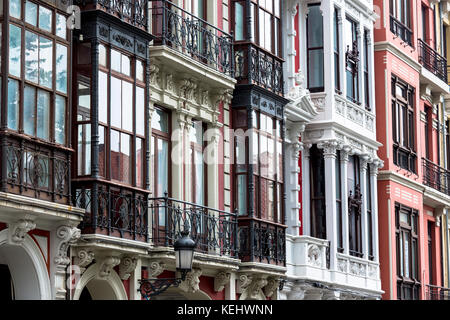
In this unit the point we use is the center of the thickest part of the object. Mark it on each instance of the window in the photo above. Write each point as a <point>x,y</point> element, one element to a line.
<point>407,243</point>
<point>267,21</point>
<point>317,185</point>
<point>37,99</point>
<point>400,9</point>
<point>315,49</point>
<point>337,73</point>
<point>239,19</point>
<point>366,70</point>
<point>352,60</point>
<point>403,125</point>
<point>428,131</point>
<point>430,252</point>
<point>198,168</point>
<point>354,206</point>
<point>338,180</point>
<point>369,213</point>
<point>240,124</point>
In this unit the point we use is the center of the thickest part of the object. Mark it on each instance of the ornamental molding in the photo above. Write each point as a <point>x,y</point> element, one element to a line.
<point>126,267</point>
<point>155,268</point>
<point>314,256</point>
<point>251,287</point>
<point>106,267</point>
<point>67,235</point>
<point>192,281</point>
<point>329,147</point>
<point>18,230</point>
<point>220,280</point>
<point>83,259</point>
<point>271,286</point>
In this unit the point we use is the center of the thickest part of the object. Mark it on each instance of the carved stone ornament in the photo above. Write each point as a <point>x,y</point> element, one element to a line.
<point>155,78</point>
<point>220,280</point>
<point>271,287</point>
<point>192,281</point>
<point>251,287</point>
<point>156,268</point>
<point>19,229</point>
<point>126,267</point>
<point>106,267</point>
<point>67,236</point>
<point>314,255</point>
<point>83,259</point>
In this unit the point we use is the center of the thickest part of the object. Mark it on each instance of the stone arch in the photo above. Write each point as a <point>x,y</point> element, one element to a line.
<point>27,267</point>
<point>100,289</point>
<point>177,294</point>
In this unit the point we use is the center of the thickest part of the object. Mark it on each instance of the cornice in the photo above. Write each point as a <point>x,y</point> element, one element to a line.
<point>391,48</point>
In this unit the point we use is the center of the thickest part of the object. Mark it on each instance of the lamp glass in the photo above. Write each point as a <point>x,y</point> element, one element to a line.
<point>184,259</point>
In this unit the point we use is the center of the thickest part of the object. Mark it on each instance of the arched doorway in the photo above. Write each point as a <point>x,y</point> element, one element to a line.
<point>90,287</point>
<point>23,272</point>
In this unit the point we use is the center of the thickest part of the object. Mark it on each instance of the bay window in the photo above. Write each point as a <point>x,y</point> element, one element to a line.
<point>354,206</point>
<point>314,40</point>
<point>37,98</point>
<point>317,185</point>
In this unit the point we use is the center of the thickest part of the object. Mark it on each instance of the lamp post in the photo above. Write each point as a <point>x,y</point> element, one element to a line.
<point>184,255</point>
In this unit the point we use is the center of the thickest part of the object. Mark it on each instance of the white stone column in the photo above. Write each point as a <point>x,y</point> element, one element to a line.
<point>211,158</point>
<point>329,153</point>
<point>177,155</point>
<point>364,191</point>
<point>306,191</point>
<point>230,288</point>
<point>342,62</point>
<point>289,44</point>
<point>360,41</point>
<point>345,153</point>
<point>327,9</point>
<point>134,281</point>
<point>374,182</point>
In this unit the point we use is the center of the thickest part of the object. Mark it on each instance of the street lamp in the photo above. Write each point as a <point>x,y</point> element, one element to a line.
<point>184,255</point>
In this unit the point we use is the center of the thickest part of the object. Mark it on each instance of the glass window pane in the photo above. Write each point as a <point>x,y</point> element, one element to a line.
<point>60,119</point>
<point>315,74</point>
<point>140,111</point>
<point>102,55</point>
<point>126,65</point>
<point>163,168</point>
<point>125,149</point>
<point>29,112</point>
<point>102,97</point>
<point>116,102</point>
<point>84,102</point>
<point>84,149</point>
<point>139,70</point>
<point>13,104</point>
<point>31,13</point>
<point>115,155</point>
<point>127,106</point>
<point>45,62</point>
<point>14,50</point>
<point>115,60</point>
<point>315,27</point>
<point>268,31</point>
<point>61,26</point>
<point>139,162</point>
<point>15,8</point>
<point>199,177</point>
<point>242,194</point>
<point>160,121</point>
<point>61,68</point>
<point>43,115</point>
<point>101,151</point>
<point>31,56</point>
<point>45,19</point>
<point>239,21</point>
<point>261,28</point>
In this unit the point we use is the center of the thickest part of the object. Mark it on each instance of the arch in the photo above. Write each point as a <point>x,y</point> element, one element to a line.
<point>27,267</point>
<point>178,294</point>
<point>100,289</point>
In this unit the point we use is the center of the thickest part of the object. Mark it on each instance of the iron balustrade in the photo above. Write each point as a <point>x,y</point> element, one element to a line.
<point>435,176</point>
<point>257,66</point>
<point>401,30</point>
<point>262,241</point>
<point>36,169</point>
<point>214,231</point>
<point>194,37</point>
<point>432,61</point>
<point>437,293</point>
<point>133,12</point>
<point>113,211</point>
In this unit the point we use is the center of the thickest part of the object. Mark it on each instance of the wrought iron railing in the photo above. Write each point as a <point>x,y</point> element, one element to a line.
<point>256,66</point>
<point>437,293</point>
<point>182,31</point>
<point>262,241</point>
<point>435,176</point>
<point>113,211</point>
<point>133,12</point>
<point>432,61</point>
<point>36,170</point>
<point>214,231</point>
<point>401,30</point>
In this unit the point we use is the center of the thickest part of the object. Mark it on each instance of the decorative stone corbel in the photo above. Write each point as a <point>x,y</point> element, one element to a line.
<point>155,78</point>
<point>18,230</point>
<point>156,268</point>
<point>83,259</point>
<point>67,235</point>
<point>126,267</point>
<point>271,287</point>
<point>251,287</point>
<point>192,281</point>
<point>106,267</point>
<point>220,280</point>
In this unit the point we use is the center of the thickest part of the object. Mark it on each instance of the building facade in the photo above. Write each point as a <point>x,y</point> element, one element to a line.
<point>411,86</point>
<point>332,240</point>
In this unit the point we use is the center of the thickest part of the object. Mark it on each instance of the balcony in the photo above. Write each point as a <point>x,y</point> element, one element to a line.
<point>113,211</point>
<point>432,61</point>
<point>262,241</point>
<point>257,66</point>
<point>133,12</point>
<point>191,36</point>
<point>436,177</point>
<point>437,293</point>
<point>214,231</point>
<point>36,169</point>
<point>401,30</point>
